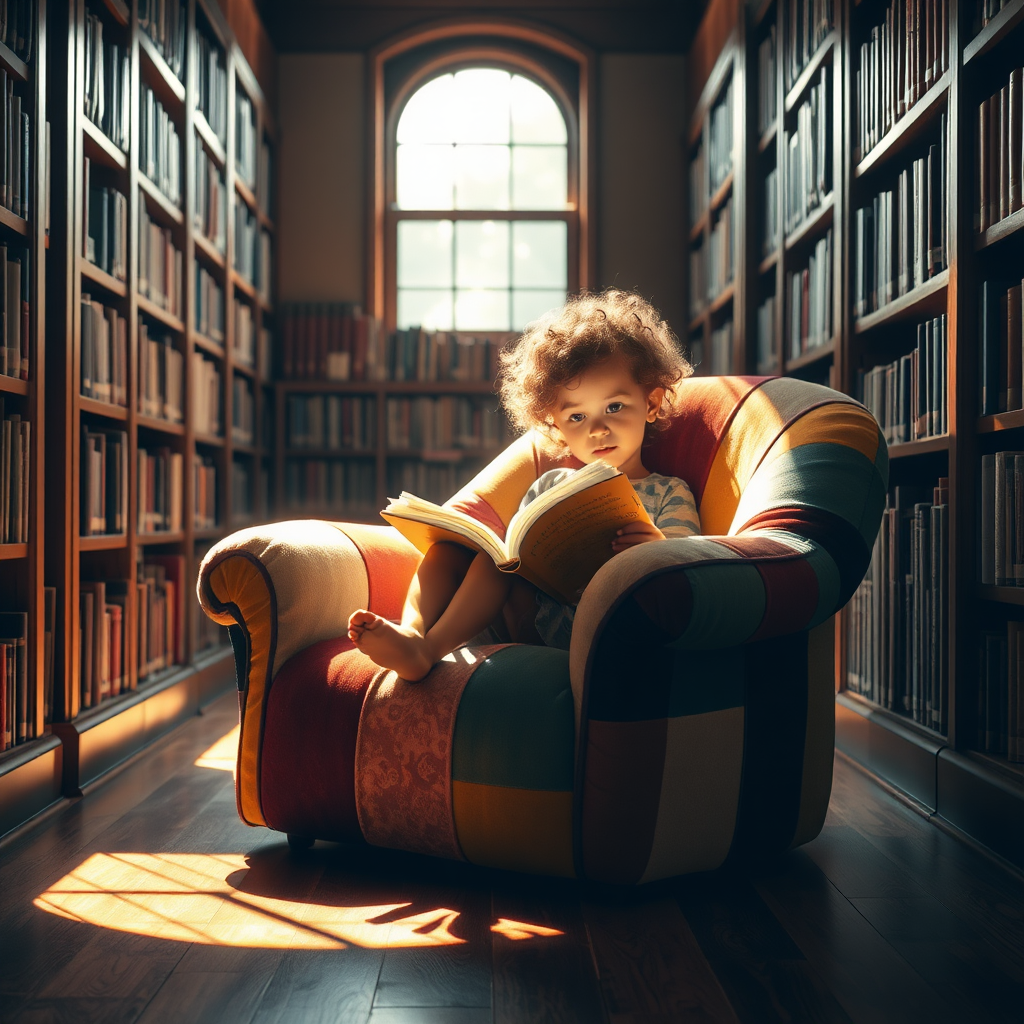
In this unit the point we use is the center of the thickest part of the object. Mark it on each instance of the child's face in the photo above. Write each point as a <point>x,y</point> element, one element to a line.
<point>603,414</point>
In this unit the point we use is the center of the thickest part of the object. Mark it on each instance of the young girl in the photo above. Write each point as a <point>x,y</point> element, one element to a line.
<point>592,380</point>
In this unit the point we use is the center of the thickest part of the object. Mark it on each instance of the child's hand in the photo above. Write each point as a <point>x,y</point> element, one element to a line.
<point>635,533</point>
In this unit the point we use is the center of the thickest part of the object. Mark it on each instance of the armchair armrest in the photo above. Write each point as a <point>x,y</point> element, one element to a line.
<point>292,584</point>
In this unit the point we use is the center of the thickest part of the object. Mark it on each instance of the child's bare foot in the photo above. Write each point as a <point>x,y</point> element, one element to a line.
<point>391,646</point>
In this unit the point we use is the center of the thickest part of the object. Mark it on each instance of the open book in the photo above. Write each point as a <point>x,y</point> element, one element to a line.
<point>557,542</point>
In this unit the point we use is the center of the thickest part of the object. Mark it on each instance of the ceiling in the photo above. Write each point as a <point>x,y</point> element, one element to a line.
<point>628,26</point>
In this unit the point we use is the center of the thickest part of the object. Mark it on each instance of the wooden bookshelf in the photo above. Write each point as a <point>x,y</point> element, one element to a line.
<point>941,769</point>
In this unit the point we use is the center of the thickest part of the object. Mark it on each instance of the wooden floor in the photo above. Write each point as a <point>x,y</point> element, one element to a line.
<point>148,901</point>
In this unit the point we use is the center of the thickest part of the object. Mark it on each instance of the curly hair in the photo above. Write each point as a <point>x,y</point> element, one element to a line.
<point>589,328</point>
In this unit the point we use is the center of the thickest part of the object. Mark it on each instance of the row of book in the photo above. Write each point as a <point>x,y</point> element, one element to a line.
<point>809,314</point>
<point>986,10</point>
<point>159,146</point>
<point>905,55</point>
<point>1002,519</point>
<point>766,358</point>
<point>204,492</point>
<point>15,289</point>
<point>211,216</point>
<point>1001,336</point>
<point>439,425</point>
<point>698,185</point>
<point>808,23</point>
<point>15,133</point>
<point>106,228</point>
<point>721,362</point>
<point>908,397</point>
<point>334,422</point>
<point>212,84</point>
<point>209,301</point>
<point>1000,154</point>
<point>161,480</point>
<point>809,155</point>
<point>160,265</point>
<point>770,240</point>
<point>721,252</point>
<point>720,139</point>
<point>251,343</point>
<point>104,482</point>
<point>900,239</point>
<point>161,375</point>
<point>107,83</point>
<point>345,486</point>
<point>435,481</point>
<point>18,26</point>
<point>166,22</point>
<point>104,356</point>
<point>241,492</point>
<point>252,248</point>
<point>767,66</point>
<point>17,704</point>
<point>265,180</point>
<point>245,138</point>
<point>698,281</point>
<point>1000,697</point>
<point>243,411</point>
<point>205,397</point>
<point>898,619</point>
<point>15,476</point>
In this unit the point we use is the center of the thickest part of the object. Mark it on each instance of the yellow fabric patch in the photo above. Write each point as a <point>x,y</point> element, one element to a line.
<point>848,425</point>
<point>238,580</point>
<point>514,829</point>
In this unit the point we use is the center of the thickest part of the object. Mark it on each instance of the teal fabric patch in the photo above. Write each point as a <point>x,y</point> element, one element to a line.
<point>516,725</point>
<point>728,605</point>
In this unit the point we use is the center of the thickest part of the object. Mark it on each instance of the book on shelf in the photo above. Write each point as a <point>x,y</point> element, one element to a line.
<point>161,374</point>
<point>808,22</point>
<point>900,239</point>
<point>49,639</point>
<point>809,155</point>
<point>434,480</point>
<point>770,240</point>
<point>908,397</point>
<point>557,542</point>
<point>336,422</point>
<point>107,100</point>
<point>448,424</point>
<point>809,313</point>
<point>767,361</point>
<point>243,411</point>
<point>104,355</point>
<point>241,492</point>
<point>103,661</point>
<point>166,25</point>
<point>1002,519</point>
<point>159,146</point>
<point>211,214</point>
<point>903,57</point>
<point>341,485</point>
<point>104,481</point>
<point>898,624</point>
<point>247,243</point>
<point>999,154</point>
<point>1000,693</point>
<point>986,10</point>
<point>15,135</point>
<point>18,27</point>
<point>767,97</point>
<point>160,483</point>
<point>160,265</point>
<point>106,227</point>
<point>698,185</point>
<point>1000,349</point>
<point>204,492</point>
<point>206,395</point>
<point>245,137</point>
<point>15,289</point>
<point>265,180</point>
<point>209,303</point>
<point>698,281</point>
<point>212,83</point>
<point>175,584</point>
<point>15,476</point>
<point>720,138</point>
<point>721,349</point>
<point>721,252</point>
<point>18,707</point>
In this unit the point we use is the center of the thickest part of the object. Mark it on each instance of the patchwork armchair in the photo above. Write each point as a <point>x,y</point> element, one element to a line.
<point>691,722</point>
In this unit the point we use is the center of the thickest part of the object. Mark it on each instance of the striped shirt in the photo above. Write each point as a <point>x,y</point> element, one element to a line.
<point>667,500</point>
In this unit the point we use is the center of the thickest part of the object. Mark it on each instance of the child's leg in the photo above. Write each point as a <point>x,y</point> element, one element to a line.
<point>475,604</point>
<point>437,578</point>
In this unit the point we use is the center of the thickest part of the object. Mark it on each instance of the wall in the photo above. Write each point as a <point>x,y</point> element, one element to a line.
<point>639,180</point>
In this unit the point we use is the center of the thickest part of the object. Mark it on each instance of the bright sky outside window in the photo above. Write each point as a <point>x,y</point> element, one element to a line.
<point>481,139</point>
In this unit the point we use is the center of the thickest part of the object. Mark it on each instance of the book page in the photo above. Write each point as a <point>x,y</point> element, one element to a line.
<point>565,547</point>
<point>423,524</point>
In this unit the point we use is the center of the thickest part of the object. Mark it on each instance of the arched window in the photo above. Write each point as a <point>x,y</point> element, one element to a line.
<point>482,204</point>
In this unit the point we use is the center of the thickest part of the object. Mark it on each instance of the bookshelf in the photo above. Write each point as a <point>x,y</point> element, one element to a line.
<point>151,451</point>
<point>918,704</point>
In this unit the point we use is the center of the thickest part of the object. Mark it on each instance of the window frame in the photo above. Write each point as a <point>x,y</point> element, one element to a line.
<point>461,53</point>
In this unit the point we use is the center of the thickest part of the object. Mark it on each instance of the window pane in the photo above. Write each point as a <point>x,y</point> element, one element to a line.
<point>535,115</point>
<point>429,308</point>
<point>425,254</point>
<point>481,177</point>
<point>539,254</point>
<point>532,304</point>
<point>424,177</point>
<point>538,178</point>
<point>481,254</point>
<point>482,105</point>
<point>480,310</point>
<point>429,114</point>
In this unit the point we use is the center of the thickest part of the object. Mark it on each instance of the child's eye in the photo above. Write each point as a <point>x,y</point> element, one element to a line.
<point>576,417</point>
<point>615,407</point>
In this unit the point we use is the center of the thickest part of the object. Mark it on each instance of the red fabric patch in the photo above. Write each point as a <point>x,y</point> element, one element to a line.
<point>687,448</point>
<point>307,760</point>
<point>667,600</point>
<point>621,794</point>
<point>390,563</point>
